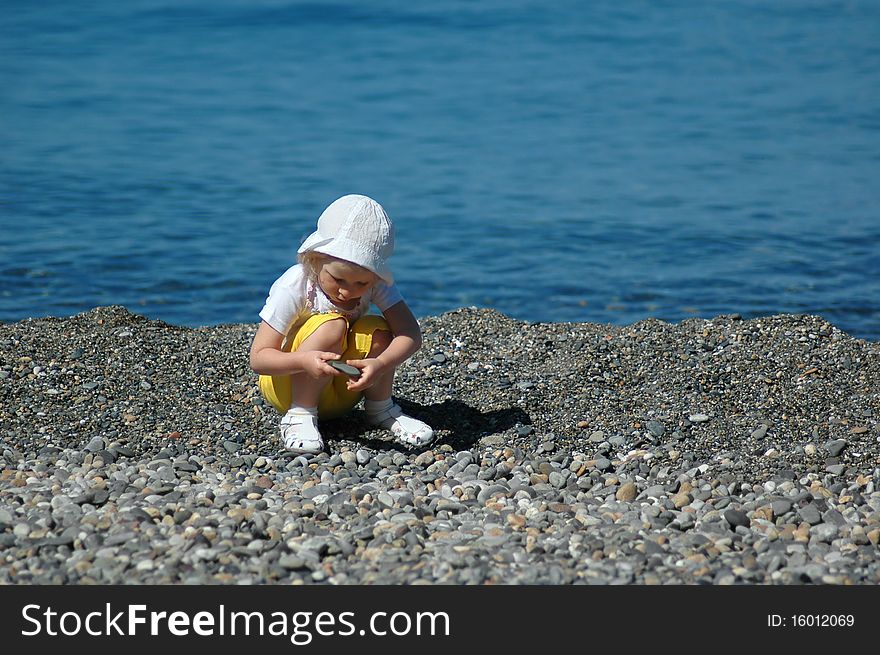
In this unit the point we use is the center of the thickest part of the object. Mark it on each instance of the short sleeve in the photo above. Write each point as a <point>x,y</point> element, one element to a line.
<point>385,296</point>
<point>285,301</point>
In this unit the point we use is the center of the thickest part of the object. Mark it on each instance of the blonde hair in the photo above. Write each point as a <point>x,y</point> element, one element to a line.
<point>312,262</point>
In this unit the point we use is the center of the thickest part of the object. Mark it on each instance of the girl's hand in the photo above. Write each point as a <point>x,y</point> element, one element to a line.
<point>316,365</point>
<point>371,370</point>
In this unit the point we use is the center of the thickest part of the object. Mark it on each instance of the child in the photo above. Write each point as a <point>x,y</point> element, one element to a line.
<point>317,312</point>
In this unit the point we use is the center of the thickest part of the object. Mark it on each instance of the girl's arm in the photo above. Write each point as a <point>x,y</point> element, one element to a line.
<point>267,357</point>
<point>407,339</point>
<point>407,335</point>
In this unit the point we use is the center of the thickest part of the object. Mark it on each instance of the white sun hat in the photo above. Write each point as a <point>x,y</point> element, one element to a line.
<point>355,228</point>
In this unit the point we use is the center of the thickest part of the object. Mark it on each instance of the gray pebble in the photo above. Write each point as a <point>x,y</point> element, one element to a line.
<point>656,428</point>
<point>780,507</point>
<point>557,479</point>
<point>810,514</point>
<point>835,447</point>
<point>95,444</point>
<point>824,531</point>
<point>834,517</point>
<point>737,518</point>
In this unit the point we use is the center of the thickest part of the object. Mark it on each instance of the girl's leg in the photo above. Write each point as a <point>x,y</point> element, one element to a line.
<point>382,410</point>
<point>278,389</point>
<point>299,425</point>
<point>328,337</point>
<point>381,390</point>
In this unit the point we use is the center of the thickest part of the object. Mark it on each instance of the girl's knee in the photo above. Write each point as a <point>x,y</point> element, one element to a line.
<point>330,336</point>
<point>381,341</point>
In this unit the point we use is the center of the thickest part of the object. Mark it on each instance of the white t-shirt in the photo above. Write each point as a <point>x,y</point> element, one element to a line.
<point>293,297</point>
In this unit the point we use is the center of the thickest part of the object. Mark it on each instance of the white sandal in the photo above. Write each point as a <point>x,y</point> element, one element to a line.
<point>299,433</point>
<point>406,430</point>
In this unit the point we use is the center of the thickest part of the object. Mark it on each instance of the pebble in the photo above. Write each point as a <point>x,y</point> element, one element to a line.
<point>824,532</point>
<point>737,518</point>
<point>835,447</point>
<point>656,428</point>
<point>780,507</point>
<point>627,492</point>
<point>681,500</point>
<point>562,475</point>
<point>810,514</point>
<point>95,444</point>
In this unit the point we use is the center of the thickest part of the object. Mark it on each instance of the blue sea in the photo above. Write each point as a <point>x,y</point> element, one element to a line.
<point>603,161</point>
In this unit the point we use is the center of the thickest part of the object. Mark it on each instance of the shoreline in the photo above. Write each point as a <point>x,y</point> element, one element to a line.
<point>707,451</point>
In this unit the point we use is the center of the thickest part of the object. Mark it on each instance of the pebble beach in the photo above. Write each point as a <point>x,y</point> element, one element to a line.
<point>722,451</point>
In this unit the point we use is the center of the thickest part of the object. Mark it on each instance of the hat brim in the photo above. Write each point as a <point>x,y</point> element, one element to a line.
<point>346,251</point>
<point>313,241</point>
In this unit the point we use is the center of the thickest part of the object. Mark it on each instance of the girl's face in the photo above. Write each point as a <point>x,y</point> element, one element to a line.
<point>344,283</point>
